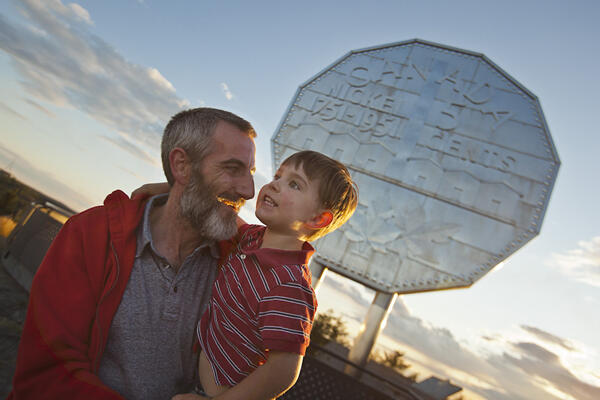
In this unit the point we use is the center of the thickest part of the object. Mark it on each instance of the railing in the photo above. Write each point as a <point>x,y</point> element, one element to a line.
<point>320,381</point>
<point>27,244</point>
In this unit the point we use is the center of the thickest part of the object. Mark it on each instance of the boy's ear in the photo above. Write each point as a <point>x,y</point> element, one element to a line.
<point>320,221</point>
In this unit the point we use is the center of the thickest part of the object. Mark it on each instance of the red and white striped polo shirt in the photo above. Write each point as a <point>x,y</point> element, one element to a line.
<point>262,300</point>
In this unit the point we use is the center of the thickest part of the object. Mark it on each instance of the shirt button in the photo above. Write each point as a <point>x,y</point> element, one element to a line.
<point>243,256</point>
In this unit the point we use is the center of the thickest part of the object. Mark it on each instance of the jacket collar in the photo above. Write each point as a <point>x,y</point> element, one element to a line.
<point>124,215</point>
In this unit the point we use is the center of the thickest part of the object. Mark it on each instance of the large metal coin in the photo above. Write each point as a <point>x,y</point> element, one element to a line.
<point>453,158</point>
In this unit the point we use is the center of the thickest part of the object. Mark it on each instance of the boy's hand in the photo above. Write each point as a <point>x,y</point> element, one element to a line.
<point>189,396</point>
<point>268,381</point>
<point>151,189</point>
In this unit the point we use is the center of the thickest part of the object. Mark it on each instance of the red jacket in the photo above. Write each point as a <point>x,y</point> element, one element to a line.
<point>75,293</point>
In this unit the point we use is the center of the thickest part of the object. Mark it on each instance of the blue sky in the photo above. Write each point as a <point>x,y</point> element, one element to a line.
<point>86,88</point>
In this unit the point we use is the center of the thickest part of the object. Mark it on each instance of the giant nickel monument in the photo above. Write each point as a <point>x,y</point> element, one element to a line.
<point>452,156</point>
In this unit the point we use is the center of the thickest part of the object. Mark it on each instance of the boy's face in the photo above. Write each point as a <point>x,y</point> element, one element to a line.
<point>288,201</point>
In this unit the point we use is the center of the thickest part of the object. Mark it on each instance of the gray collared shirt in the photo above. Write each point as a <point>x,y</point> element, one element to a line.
<point>149,350</point>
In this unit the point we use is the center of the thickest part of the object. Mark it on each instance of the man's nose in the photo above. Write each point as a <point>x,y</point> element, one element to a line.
<point>245,187</point>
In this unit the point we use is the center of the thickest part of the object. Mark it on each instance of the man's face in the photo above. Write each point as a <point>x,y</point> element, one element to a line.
<point>220,183</point>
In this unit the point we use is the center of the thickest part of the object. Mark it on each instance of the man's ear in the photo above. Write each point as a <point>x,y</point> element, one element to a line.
<point>180,165</point>
<point>320,221</point>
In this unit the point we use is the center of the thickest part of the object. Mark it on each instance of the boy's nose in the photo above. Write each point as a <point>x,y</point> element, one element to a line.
<point>274,185</point>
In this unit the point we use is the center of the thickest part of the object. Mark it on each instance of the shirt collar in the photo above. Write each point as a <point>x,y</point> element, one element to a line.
<point>145,235</point>
<point>251,242</point>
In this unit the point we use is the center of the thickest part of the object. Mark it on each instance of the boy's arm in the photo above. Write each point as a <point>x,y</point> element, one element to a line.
<point>151,189</point>
<point>270,380</point>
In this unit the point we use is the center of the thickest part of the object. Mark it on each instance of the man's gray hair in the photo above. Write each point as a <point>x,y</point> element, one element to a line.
<point>192,130</point>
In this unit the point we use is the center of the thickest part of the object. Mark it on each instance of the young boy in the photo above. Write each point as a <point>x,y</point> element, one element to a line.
<point>257,326</point>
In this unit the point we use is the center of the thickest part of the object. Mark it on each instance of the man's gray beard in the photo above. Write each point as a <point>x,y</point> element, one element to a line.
<point>200,208</point>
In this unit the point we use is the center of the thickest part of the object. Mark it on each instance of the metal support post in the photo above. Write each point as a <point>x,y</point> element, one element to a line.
<point>318,271</point>
<point>369,331</point>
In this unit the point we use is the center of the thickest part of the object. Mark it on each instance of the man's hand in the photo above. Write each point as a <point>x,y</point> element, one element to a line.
<point>189,396</point>
<point>151,189</point>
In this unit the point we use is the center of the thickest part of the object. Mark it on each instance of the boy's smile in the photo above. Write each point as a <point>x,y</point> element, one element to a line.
<point>268,201</point>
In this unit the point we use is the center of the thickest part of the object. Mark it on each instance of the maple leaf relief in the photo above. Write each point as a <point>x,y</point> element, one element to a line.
<point>402,229</point>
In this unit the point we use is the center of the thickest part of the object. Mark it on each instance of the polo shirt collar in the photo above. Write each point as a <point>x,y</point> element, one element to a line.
<point>145,235</point>
<point>269,258</point>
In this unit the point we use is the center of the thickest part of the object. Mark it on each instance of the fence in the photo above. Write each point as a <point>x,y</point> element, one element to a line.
<point>318,380</point>
<point>29,241</point>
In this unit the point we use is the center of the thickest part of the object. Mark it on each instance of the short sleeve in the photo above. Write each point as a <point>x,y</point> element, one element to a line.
<point>285,317</point>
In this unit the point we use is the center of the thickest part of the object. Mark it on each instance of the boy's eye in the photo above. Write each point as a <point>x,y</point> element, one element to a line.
<point>275,177</point>
<point>294,185</point>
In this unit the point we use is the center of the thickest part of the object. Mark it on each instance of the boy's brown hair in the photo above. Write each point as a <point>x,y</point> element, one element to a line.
<point>337,192</point>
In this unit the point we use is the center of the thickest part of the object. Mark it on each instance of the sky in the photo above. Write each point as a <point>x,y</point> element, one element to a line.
<point>87,87</point>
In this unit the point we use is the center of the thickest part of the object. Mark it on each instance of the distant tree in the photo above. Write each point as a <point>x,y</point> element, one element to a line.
<point>9,202</point>
<point>395,359</point>
<point>329,327</point>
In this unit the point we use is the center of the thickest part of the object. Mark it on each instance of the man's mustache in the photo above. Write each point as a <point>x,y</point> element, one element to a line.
<point>231,201</point>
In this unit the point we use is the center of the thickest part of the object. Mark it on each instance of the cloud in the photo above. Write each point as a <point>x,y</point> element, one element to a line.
<point>228,94</point>
<point>536,352</point>
<point>548,337</point>
<point>359,294</point>
<point>125,144</point>
<point>61,62</point>
<point>497,367</point>
<point>80,13</point>
<point>134,174</point>
<point>72,11</point>
<point>493,375</point>
<point>160,80</point>
<point>581,264</point>
<point>542,363</point>
<point>43,180</point>
<point>9,110</point>
<point>40,108</point>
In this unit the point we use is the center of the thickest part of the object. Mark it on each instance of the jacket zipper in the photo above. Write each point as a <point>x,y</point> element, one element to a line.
<point>100,340</point>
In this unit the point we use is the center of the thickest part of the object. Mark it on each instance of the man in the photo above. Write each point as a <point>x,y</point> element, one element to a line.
<point>114,305</point>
